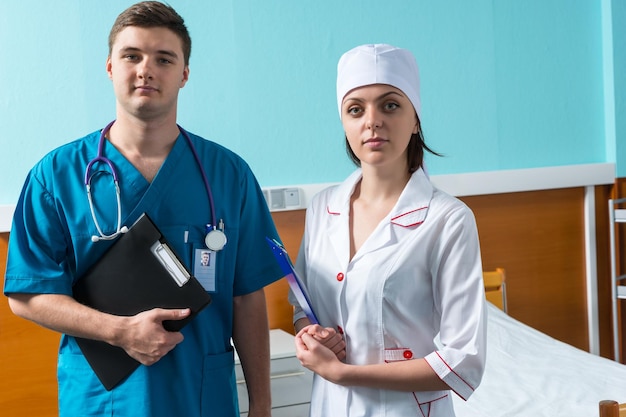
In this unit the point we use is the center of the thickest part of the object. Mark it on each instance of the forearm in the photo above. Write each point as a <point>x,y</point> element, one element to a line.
<point>412,375</point>
<point>142,336</point>
<point>63,314</point>
<point>251,338</point>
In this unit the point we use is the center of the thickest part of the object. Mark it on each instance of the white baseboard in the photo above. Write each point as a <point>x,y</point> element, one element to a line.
<point>489,182</point>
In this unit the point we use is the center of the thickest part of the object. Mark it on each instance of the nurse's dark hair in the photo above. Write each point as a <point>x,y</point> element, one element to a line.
<point>414,154</point>
<point>150,14</point>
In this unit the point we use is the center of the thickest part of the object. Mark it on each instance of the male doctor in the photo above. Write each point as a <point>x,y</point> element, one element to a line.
<point>187,373</point>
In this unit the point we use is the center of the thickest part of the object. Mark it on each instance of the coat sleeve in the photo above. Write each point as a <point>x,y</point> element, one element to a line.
<point>460,304</point>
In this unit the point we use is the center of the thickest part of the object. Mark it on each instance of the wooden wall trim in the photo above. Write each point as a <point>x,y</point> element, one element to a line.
<point>539,238</point>
<point>290,225</point>
<point>28,358</point>
<point>536,236</point>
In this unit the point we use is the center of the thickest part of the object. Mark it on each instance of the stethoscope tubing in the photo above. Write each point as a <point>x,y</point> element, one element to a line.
<point>203,174</point>
<point>101,158</point>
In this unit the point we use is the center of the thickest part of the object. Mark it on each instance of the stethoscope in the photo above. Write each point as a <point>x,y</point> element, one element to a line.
<point>215,238</point>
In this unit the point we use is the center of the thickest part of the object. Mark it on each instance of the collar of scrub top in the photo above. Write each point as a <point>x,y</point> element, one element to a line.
<point>215,238</point>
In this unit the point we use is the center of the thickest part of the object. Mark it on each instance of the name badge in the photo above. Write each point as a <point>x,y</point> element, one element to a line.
<point>204,268</point>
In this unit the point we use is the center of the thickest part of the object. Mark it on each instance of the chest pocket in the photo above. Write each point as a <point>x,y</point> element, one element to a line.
<point>211,268</point>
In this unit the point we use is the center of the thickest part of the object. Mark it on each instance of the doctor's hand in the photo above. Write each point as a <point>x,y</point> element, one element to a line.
<point>317,357</point>
<point>145,339</point>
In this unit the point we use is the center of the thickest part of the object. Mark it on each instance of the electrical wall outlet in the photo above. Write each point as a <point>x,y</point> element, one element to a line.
<point>283,198</point>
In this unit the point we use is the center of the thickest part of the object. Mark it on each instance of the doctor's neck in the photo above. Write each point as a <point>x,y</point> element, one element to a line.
<point>143,135</point>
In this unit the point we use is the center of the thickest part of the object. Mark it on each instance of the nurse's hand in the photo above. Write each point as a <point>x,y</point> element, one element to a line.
<point>145,339</point>
<point>318,358</point>
<point>328,337</point>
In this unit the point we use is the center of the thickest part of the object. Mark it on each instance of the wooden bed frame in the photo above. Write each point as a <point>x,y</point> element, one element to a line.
<point>609,408</point>
<point>495,287</point>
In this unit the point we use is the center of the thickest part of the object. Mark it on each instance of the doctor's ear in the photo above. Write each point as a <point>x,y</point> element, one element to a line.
<point>185,76</point>
<point>108,67</point>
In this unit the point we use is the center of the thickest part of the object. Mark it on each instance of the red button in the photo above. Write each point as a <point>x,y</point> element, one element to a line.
<point>340,276</point>
<point>407,354</point>
<point>340,329</point>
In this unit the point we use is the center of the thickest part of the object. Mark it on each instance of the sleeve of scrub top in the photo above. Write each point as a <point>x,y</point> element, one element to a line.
<point>459,298</point>
<point>256,266</point>
<point>37,256</point>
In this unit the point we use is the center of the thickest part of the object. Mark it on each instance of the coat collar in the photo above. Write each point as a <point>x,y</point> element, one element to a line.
<point>410,210</point>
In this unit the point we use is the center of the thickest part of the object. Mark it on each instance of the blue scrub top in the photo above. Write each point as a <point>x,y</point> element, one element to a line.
<point>50,247</point>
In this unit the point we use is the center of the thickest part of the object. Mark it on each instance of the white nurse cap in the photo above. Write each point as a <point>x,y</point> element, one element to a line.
<point>378,64</point>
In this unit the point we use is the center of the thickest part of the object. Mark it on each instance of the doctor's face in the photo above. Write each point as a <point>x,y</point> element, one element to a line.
<point>148,69</point>
<point>379,120</point>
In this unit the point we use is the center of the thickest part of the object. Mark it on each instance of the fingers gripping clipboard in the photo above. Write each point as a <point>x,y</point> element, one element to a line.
<point>295,283</point>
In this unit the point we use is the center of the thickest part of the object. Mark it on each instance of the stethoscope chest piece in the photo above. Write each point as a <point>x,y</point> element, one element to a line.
<point>215,240</point>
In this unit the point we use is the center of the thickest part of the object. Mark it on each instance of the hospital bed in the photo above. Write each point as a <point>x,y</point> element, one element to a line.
<point>529,373</point>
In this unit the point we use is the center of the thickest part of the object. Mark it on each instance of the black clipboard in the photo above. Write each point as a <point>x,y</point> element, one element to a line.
<point>138,272</point>
<point>295,283</point>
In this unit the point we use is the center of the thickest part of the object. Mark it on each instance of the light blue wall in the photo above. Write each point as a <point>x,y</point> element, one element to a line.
<point>619,61</point>
<point>506,84</point>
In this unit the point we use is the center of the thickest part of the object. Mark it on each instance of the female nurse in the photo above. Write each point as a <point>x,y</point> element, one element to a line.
<point>391,263</point>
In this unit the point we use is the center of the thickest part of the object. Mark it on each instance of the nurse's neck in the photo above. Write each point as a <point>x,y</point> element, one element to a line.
<point>382,185</point>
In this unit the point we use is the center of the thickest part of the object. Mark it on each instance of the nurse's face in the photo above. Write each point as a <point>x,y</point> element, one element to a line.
<point>378,120</point>
<point>148,69</point>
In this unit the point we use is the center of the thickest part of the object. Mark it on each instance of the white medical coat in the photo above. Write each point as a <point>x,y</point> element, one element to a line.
<point>417,278</point>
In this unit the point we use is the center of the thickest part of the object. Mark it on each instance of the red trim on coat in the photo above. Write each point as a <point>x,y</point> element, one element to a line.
<point>406,214</point>
<point>459,376</point>
<point>419,404</point>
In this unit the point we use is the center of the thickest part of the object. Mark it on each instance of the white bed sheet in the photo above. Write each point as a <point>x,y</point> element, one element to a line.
<point>529,373</point>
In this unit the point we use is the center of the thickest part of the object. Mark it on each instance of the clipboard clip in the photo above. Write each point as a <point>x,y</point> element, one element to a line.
<point>167,258</point>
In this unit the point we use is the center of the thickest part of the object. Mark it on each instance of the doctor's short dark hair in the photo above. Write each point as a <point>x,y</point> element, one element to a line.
<point>414,155</point>
<point>150,14</point>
